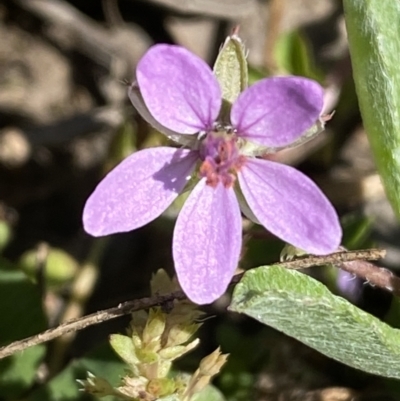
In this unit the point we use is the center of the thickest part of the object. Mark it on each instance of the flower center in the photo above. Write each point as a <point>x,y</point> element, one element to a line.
<point>221,159</point>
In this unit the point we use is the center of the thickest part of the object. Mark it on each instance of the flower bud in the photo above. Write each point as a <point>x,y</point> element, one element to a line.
<point>96,385</point>
<point>172,353</point>
<point>155,326</point>
<point>180,333</point>
<point>212,364</point>
<point>161,387</point>
<point>124,347</point>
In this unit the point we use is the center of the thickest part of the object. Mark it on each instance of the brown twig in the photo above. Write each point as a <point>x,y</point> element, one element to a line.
<point>336,258</point>
<point>375,275</point>
<point>112,13</point>
<point>275,14</point>
<point>379,277</point>
<point>89,320</point>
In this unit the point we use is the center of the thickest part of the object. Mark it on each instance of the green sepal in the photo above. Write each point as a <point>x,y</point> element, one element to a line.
<point>230,68</point>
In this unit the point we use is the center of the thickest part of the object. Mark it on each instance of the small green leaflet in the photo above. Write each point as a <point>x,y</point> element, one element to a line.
<point>305,309</point>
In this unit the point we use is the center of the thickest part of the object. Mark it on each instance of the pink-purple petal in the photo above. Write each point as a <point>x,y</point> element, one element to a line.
<point>179,89</point>
<point>276,111</point>
<point>291,206</point>
<point>136,98</point>
<point>138,190</point>
<point>207,242</point>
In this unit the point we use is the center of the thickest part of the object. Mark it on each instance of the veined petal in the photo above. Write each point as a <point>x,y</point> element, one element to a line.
<point>179,89</point>
<point>207,242</point>
<point>291,206</point>
<point>276,111</point>
<point>138,102</point>
<point>138,190</point>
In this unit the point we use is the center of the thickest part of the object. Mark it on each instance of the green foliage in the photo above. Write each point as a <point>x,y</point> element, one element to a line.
<point>373,34</point>
<point>59,267</point>
<point>247,354</point>
<point>5,234</point>
<point>303,308</point>
<point>64,386</point>
<point>293,56</point>
<point>21,316</point>
<point>356,231</point>
<point>122,145</point>
<point>154,340</point>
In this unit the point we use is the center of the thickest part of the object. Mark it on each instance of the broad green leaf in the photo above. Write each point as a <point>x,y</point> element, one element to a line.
<point>21,316</point>
<point>303,308</point>
<point>373,33</point>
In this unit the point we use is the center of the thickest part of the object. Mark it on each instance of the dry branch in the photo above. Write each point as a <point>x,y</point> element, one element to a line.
<point>382,279</point>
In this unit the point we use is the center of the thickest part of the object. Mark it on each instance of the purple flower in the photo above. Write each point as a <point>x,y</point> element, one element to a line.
<point>183,98</point>
<point>349,285</point>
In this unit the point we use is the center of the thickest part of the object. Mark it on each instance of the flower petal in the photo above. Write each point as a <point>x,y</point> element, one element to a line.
<point>207,242</point>
<point>349,285</point>
<point>138,190</point>
<point>276,111</point>
<point>138,102</point>
<point>291,206</point>
<point>179,89</point>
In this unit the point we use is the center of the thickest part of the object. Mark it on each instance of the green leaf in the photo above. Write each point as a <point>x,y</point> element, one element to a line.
<point>303,308</point>
<point>373,34</point>
<point>293,56</point>
<point>64,387</point>
<point>21,315</point>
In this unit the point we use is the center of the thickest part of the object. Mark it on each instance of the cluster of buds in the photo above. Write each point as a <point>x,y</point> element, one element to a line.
<point>154,340</point>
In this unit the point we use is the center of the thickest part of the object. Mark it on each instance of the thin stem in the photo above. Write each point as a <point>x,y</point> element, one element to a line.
<point>375,275</point>
<point>89,320</point>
